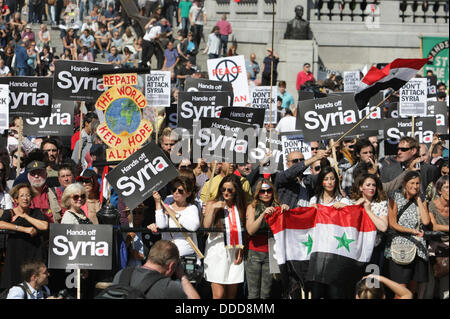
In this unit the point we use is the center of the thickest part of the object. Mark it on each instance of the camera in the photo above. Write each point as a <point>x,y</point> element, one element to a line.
<point>64,294</point>
<point>192,270</point>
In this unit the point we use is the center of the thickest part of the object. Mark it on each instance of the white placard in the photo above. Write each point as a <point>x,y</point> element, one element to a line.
<point>260,98</point>
<point>231,69</point>
<point>157,88</point>
<point>413,98</point>
<point>4,106</point>
<point>351,81</point>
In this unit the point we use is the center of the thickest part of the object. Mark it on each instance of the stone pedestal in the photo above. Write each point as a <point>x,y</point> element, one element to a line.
<point>293,54</point>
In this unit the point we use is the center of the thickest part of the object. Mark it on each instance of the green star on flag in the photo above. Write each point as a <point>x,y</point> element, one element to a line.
<point>308,244</point>
<point>344,241</point>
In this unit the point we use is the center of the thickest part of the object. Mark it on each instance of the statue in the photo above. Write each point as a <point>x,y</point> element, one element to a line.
<point>298,28</point>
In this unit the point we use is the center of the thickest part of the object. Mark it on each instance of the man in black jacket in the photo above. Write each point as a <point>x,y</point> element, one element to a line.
<point>408,150</point>
<point>292,187</point>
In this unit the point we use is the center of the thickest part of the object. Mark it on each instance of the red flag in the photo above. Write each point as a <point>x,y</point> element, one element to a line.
<point>394,75</point>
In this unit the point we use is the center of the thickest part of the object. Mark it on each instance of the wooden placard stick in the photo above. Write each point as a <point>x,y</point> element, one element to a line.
<point>333,150</point>
<point>363,119</point>
<point>172,215</point>
<point>19,146</point>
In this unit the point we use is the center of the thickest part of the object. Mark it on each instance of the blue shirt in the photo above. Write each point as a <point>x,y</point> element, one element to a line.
<point>17,292</point>
<point>21,56</point>
<point>287,100</point>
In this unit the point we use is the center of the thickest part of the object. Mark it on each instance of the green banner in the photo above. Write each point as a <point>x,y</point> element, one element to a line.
<point>437,47</point>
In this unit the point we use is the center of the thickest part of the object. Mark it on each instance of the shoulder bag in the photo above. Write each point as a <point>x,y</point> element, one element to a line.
<point>404,253</point>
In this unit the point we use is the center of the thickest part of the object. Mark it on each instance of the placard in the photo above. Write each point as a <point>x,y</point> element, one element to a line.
<point>4,107</point>
<point>413,98</point>
<point>59,123</point>
<point>247,115</point>
<point>72,80</point>
<point>157,88</point>
<point>439,111</point>
<point>29,96</point>
<point>294,142</point>
<point>351,81</point>
<point>145,171</point>
<point>260,98</point>
<point>193,106</point>
<point>223,140</point>
<point>231,69</point>
<point>73,246</point>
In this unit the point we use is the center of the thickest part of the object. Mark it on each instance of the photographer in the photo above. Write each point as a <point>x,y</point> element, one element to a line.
<point>34,286</point>
<point>163,262</point>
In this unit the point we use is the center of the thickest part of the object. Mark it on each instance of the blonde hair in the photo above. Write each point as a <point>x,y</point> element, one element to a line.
<point>69,191</point>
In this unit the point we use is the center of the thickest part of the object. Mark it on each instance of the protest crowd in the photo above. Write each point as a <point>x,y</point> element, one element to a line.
<point>226,208</point>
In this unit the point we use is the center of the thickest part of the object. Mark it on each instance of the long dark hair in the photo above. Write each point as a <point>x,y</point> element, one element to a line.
<point>239,199</point>
<point>356,193</point>
<point>188,185</point>
<point>319,187</point>
<point>256,199</point>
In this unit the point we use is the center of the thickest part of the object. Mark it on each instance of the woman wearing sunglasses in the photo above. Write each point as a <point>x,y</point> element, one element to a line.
<point>27,239</point>
<point>185,212</point>
<point>224,254</point>
<point>92,205</point>
<point>73,199</point>
<point>259,279</point>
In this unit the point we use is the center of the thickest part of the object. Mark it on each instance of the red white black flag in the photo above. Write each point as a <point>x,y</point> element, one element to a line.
<point>394,75</point>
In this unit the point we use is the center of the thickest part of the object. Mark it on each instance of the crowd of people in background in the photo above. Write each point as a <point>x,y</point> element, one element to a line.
<point>56,181</point>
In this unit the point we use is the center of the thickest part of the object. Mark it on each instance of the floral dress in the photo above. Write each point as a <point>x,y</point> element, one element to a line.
<point>409,219</point>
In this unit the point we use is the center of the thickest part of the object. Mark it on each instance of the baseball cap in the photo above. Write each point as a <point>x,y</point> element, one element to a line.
<point>35,165</point>
<point>86,175</point>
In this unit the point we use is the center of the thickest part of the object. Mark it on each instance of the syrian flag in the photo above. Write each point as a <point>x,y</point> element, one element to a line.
<point>393,75</point>
<point>326,244</point>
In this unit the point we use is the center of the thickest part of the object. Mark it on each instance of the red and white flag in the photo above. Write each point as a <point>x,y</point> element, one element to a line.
<point>326,244</point>
<point>394,75</point>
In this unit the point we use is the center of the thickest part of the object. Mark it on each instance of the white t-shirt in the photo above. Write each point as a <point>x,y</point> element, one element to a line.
<point>197,14</point>
<point>152,33</point>
<point>188,218</point>
<point>5,201</point>
<point>286,124</point>
<point>5,70</point>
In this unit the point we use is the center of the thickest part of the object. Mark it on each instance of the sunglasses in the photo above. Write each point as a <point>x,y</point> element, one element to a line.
<point>78,197</point>
<point>227,190</point>
<point>266,191</point>
<point>179,190</point>
<point>314,148</point>
<point>317,168</point>
<point>87,180</point>
<point>404,149</point>
<point>296,160</point>
<point>184,166</point>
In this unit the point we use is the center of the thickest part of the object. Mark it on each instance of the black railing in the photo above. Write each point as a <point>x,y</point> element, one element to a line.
<point>424,11</point>
<point>345,8</point>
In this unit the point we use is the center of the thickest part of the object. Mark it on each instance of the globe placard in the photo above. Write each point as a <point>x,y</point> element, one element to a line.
<point>124,129</point>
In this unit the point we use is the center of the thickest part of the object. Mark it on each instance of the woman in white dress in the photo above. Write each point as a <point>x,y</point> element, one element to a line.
<point>224,254</point>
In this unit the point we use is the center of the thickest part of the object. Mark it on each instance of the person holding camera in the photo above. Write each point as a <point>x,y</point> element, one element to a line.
<point>163,262</point>
<point>35,275</point>
<point>407,250</point>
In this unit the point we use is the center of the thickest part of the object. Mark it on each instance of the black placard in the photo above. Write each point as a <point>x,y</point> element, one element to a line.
<point>394,129</point>
<point>73,82</point>
<point>247,115</point>
<point>73,246</point>
<point>224,140</point>
<point>145,171</point>
<point>193,106</point>
<point>30,96</point>
<point>59,123</point>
